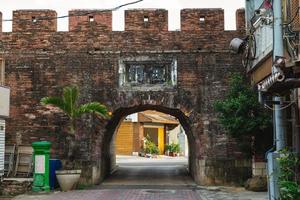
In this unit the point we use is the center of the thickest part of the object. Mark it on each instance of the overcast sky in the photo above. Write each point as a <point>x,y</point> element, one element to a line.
<point>173,6</point>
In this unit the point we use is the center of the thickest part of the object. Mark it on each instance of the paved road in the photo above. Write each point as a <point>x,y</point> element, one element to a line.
<point>149,194</point>
<point>151,179</point>
<point>150,172</point>
<point>117,194</point>
<point>229,193</point>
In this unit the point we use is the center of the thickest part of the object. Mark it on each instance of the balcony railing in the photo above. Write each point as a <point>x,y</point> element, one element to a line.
<point>263,39</point>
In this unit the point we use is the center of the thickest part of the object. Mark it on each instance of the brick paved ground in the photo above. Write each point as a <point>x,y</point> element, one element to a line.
<point>226,193</point>
<point>151,179</point>
<point>117,194</point>
<point>150,194</point>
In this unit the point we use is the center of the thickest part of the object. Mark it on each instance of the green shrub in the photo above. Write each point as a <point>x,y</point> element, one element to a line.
<point>173,148</point>
<point>239,112</point>
<point>243,117</point>
<point>150,147</point>
<point>289,186</point>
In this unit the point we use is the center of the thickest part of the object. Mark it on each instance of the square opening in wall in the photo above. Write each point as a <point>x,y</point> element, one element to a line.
<point>202,19</point>
<point>33,19</point>
<point>146,19</point>
<point>91,19</point>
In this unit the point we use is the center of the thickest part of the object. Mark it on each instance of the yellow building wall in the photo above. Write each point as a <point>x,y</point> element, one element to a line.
<point>127,141</point>
<point>161,140</point>
<point>124,139</point>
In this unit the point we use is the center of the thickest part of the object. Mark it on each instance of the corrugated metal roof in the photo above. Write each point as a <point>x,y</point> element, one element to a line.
<point>156,117</point>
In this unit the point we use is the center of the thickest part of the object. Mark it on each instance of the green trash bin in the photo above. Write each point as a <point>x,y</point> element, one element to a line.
<point>41,153</point>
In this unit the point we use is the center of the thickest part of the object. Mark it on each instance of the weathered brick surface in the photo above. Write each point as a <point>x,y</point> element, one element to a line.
<point>240,22</point>
<point>1,22</point>
<point>34,20</point>
<point>150,20</point>
<point>83,20</point>
<point>14,187</point>
<point>202,19</point>
<point>40,62</point>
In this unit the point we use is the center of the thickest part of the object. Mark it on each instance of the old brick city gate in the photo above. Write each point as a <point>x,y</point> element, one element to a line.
<point>144,67</point>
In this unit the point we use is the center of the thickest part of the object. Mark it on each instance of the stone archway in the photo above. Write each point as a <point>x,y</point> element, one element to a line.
<point>198,75</point>
<point>108,155</point>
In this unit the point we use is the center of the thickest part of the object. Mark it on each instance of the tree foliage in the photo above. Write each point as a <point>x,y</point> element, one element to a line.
<point>68,103</point>
<point>240,113</point>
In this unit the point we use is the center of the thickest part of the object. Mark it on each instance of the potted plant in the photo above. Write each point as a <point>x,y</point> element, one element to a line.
<point>173,149</point>
<point>176,148</point>
<point>68,103</point>
<point>169,150</point>
<point>150,147</point>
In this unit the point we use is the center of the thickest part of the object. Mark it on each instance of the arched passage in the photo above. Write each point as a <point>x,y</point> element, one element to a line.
<point>108,154</point>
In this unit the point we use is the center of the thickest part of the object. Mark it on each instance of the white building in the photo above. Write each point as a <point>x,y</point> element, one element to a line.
<point>178,136</point>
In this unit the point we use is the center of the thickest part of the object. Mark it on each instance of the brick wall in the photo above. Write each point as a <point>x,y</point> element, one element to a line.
<point>202,19</point>
<point>40,62</point>
<point>0,22</point>
<point>10,187</point>
<point>240,22</point>
<point>84,20</point>
<point>34,20</point>
<point>147,20</point>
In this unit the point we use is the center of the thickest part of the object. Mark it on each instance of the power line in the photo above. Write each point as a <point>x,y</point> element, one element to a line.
<point>126,4</point>
<point>82,14</point>
<point>281,108</point>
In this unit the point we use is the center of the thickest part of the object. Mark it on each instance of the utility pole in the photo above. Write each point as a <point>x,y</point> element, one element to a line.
<point>278,115</point>
<point>278,51</point>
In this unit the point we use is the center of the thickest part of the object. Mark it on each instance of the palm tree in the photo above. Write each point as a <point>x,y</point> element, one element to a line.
<point>68,103</point>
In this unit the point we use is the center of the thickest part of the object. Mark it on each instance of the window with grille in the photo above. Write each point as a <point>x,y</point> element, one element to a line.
<point>147,73</point>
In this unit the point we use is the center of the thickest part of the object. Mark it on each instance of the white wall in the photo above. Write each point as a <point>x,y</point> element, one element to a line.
<point>4,101</point>
<point>133,117</point>
<point>177,135</point>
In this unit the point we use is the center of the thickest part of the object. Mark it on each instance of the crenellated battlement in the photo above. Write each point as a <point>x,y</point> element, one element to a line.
<point>83,20</point>
<point>146,19</point>
<point>240,19</point>
<point>135,20</point>
<point>202,19</point>
<point>34,20</point>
